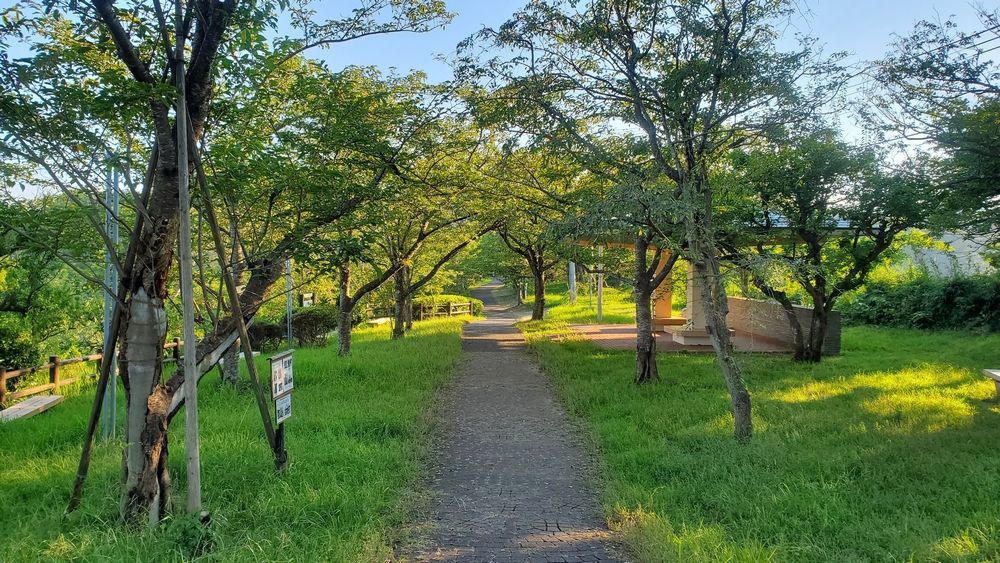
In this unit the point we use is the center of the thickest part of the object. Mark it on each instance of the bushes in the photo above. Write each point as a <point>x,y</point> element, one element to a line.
<point>17,348</point>
<point>960,303</point>
<point>477,305</point>
<point>312,324</point>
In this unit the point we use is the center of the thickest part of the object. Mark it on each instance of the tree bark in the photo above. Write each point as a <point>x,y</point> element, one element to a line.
<point>401,294</point>
<point>645,340</point>
<point>346,310</point>
<point>538,309</point>
<point>818,327</point>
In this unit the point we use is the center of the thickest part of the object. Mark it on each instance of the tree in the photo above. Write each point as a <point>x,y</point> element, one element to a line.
<point>822,214</point>
<point>692,79</point>
<point>136,73</point>
<point>940,89</point>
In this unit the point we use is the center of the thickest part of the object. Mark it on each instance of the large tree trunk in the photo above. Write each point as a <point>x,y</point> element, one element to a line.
<point>538,309</point>
<point>645,340</point>
<point>818,327</point>
<point>230,372</point>
<point>346,311</point>
<point>401,294</point>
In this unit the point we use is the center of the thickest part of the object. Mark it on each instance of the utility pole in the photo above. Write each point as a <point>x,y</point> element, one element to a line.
<point>111,196</point>
<point>600,283</point>
<point>289,301</point>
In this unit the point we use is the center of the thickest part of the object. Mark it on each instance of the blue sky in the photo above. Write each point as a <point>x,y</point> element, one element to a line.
<point>862,27</point>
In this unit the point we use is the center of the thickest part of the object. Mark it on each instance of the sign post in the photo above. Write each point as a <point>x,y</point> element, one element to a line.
<point>282,383</point>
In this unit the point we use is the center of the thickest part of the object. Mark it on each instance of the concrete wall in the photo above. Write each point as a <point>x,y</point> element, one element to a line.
<point>767,319</point>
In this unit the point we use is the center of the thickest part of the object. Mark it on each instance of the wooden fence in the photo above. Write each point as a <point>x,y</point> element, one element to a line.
<point>426,311</point>
<point>55,377</point>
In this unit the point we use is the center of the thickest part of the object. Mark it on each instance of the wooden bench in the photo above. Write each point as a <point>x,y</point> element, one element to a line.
<point>994,374</point>
<point>30,407</point>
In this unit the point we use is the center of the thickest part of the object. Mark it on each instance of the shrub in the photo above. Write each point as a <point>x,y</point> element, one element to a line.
<point>311,324</point>
<point>17,348</point>
<point>959,303</point>
<point>477,305</point>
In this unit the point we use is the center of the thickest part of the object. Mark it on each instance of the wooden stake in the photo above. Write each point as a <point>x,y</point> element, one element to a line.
<point>280,455</point>
<point>191,442</point>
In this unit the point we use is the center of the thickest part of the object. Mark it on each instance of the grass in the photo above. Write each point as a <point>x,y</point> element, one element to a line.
<point>355,442</point>
<point>888,452</point>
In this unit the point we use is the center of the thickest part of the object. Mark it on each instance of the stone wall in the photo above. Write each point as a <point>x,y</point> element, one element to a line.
<point>767,319</point>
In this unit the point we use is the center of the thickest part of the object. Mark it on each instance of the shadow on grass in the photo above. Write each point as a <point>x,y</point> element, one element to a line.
<point>888,452</point>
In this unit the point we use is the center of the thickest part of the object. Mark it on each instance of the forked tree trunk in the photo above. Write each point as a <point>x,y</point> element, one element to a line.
<point>645,340</point>
<point>538,309</point>
<point>346,311</point>
<point>818,327</point>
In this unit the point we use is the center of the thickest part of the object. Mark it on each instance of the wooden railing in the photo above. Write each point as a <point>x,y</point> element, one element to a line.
<point>424,311</point>
<point>56,380</point>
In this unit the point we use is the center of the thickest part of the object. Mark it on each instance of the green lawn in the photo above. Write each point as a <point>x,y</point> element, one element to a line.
<point>355,443</point>
<point>889,452</point>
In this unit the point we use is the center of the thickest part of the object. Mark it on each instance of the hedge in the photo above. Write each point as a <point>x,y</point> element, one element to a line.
<point>959,303</point>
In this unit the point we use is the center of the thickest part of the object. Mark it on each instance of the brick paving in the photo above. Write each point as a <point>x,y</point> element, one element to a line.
<point>510,476</point>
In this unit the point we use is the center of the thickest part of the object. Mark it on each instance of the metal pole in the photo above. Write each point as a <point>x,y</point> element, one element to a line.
<point>572,282</point>
<point>288,299</point>
<point>191,438</point>
<point>600,284</point>
<point>111,198</point>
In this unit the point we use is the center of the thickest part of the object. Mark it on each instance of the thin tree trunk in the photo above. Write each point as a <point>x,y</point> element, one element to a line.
<point>538,309</point>
<point>409,312</point>
<point>401,292</point>
<point>716,308</point>
<point>645,341</point>
<point>346,310</point>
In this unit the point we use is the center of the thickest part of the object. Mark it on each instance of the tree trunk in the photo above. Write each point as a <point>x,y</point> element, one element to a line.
<point>146,494</point>
<point>818,327</point>
<point>538,309</point>
<point>645,340</point>
<point>401,293</point>
<point>230,368</point>
<point>346,309</point>
<point>714,300</point>
<point>409,312</point>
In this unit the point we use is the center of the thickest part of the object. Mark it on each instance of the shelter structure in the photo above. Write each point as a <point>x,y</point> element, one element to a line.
<point>750,320</point>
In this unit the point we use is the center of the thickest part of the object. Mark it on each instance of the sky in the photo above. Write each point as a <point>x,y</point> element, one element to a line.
<point>862,27</point>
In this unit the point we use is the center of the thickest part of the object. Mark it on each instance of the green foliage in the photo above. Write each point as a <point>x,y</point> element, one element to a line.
<point>440,299</point>
<point>958,303</point>
<point>17,348</point>
<point>310,325</point>
<point>356,443</point>
<point>884,453</point>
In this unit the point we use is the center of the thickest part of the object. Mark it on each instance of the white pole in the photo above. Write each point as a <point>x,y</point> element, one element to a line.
<point>289,301</point>
<point>600,284</point>
<point>191,440</point>
<point>111,195</point>
<point>571,281</point>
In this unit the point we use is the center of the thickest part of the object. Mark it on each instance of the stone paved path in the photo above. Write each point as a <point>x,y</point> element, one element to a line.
<point>510,476</point>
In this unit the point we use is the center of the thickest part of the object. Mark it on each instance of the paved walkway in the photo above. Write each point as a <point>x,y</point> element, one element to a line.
<point>510,476</point>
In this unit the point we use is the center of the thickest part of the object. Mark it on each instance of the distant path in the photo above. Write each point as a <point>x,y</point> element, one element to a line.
<point>509,476</point>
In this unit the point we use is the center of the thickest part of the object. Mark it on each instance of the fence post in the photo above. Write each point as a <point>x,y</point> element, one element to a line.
<point>54,373</point>
<point>3,386</point>
<point>177,350</point>
<point>449,308</point>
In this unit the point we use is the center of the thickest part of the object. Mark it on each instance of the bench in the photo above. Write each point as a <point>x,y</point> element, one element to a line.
<point>30,407</point>
<point>994,374</point>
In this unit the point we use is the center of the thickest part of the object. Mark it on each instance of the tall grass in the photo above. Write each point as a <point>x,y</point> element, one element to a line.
<point>355,443</point>
<point>888,452</point>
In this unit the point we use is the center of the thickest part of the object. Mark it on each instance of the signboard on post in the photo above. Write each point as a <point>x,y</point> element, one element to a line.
<point>283,408</point>
<point>282,377</point>
<point>306,299</point>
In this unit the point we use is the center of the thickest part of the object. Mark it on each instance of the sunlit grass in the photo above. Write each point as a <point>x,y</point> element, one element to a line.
<point>888,452</point>
<point>355,443</point>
